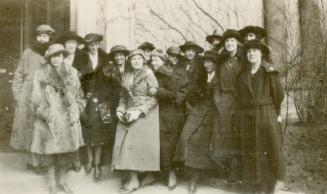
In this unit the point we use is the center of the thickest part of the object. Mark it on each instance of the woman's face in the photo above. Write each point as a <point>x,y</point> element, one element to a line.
<point>215,42</point>
<point>250,36</point>
<point>43,38</point>
<point>56,60</point>
<point>93,47</point>
<point>147,54</point>
<point>71,46</point>
<point>190,53</point>
<point>137,62</point>
<point>231,44</point>
<point>120,58</point>
<point>209,65</point>
<point>254,55</point>
<point>156,62</point>
<point>173,58</point>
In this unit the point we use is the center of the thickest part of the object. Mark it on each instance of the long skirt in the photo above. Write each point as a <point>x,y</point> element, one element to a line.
<point>195,146</point>
<point>137,145</point>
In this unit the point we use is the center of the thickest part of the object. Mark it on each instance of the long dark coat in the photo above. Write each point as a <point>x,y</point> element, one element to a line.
<point>194,147</point>
<point>228,70</point>
<point>261,96</point>
<point>173,83</point>
<point>98,90</point>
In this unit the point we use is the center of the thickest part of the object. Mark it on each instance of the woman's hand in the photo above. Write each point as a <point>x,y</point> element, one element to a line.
<point>153,91</point>
<point>133,115</point>
<point>120,116</point>
<point>279,118</point>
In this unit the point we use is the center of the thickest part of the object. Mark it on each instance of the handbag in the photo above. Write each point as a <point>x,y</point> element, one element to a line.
<point>105,113</point>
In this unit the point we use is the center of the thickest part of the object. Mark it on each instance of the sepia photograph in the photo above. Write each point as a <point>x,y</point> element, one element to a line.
<point>163,96</point>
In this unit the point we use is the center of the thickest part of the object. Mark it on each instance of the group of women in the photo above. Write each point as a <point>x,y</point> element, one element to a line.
<point>213,112</point>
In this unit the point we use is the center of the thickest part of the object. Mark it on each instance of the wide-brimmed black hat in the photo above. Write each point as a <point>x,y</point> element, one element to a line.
<point>93,37</point>
<point>258,45</point>
<point>210,54</point>
<point>215,34</point>
<point>118,49</point>
<point>231,33</point>
<point>191,44</point>
<point>146,45</point>
<point>258,31</point>
<point>70,35</point>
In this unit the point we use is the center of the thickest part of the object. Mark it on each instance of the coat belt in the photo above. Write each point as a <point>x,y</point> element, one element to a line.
<point>227,90</point>
<point>256,102</point>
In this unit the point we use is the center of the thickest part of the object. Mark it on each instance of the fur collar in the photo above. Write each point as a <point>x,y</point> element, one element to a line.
<point>165,69</point>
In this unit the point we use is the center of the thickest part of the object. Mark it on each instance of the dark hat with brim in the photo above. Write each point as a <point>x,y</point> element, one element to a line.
<point>257,44</point>
<point>215,34</point>
<point>118,49</point>
<point>191,44</point>
<point>210,54</point>
<point>136,52</point>
<point>159,53</point>
<point>174,51</point>
<point>230,33</point>
<point>93,37</point>
<point>146,45</point>
<point>55,49</point>
<point>44,28</point>
<point>70,35</point>
<point>258,31</point>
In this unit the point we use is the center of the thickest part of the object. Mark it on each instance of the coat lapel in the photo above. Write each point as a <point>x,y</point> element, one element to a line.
<point>247,80</point>
<point>88,65</point>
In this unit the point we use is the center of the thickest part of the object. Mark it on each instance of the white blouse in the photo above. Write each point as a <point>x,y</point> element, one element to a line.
<point>94,60</point>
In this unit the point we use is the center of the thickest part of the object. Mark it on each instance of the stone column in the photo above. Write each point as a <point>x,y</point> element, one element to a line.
<point>119,23</point>
<point>83,16</point>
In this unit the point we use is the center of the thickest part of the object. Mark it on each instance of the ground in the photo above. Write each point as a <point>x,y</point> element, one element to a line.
<point>306,151</point>
<point>16,179</point>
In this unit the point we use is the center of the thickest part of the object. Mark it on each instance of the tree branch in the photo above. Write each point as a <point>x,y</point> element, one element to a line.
<point>190,17</point>
<point>167,23</point>
<point>208,15</point>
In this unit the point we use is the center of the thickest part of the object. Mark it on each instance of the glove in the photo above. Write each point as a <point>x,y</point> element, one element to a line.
<point>134,115</point>
<point>279,119</point>
<point>120,116</point>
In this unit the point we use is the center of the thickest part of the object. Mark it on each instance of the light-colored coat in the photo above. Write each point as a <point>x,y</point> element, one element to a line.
<point>137,144</point>
<point>57,104</point>
<point>22,128</point>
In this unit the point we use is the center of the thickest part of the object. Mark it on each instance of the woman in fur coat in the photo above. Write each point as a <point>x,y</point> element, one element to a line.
<point>31,60</point>
<point>57,104</point>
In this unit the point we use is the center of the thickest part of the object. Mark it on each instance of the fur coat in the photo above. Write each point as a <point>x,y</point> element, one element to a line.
<point>56,104</point>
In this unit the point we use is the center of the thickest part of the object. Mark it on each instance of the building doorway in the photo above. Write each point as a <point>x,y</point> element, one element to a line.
<point>18,20</point>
